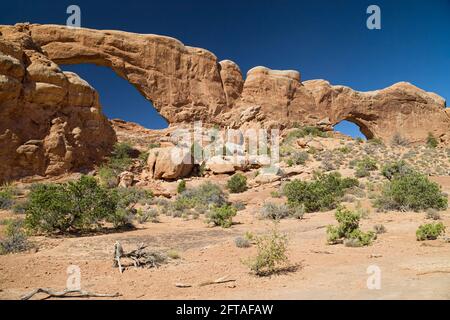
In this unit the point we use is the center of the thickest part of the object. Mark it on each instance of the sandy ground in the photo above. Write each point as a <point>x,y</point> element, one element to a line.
<point>409,269</point>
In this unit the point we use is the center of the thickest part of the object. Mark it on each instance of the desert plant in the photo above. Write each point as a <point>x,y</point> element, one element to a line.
<point>323,193</point>
<point>379,229</point>
<point>271,253</point>
<point>242,242</point>
<point>432,141</point>
<point>348,229</point>
<point>237,183</point>
<point>181,187</point>
<point>222,216</point>
<point>16,239</point>
<point>412,191</point>
<point>274,211</point>
<point>107,176</point>
<point>120,158</point>
<point>6,197</point>
<point>433,214</point>
<point>239,205</point>
<point>299,157</point>
<point>399,140</point>
<point>392,169</point>
<point>430,231</point>
<point>144,215</point>
<point>204,196</point>
<point>173,254</point>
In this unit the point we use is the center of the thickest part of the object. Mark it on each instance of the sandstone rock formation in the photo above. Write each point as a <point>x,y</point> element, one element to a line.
<point>169,163</point>
<point>48,117</point>
<point>50,121</point>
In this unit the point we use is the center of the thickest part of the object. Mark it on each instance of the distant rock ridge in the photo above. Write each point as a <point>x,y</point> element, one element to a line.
<point>183,83</point>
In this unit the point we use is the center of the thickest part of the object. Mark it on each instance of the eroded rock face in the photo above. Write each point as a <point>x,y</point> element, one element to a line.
<point>50,121</point>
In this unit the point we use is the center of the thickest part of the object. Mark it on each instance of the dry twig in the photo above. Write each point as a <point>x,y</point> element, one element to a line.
<point>68,294</point>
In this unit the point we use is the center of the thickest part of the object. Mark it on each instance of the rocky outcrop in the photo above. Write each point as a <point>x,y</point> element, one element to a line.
<point>50,121</point>
<point>169,163</point>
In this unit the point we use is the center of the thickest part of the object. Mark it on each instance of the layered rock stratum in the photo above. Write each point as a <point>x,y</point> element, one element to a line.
<point>51,120</point>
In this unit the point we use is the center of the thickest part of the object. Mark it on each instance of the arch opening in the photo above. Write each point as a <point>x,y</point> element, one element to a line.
<point>118,97</point>
<point>352,129</point>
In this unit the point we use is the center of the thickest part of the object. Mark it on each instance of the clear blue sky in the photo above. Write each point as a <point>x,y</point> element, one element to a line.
<point>321,39</point>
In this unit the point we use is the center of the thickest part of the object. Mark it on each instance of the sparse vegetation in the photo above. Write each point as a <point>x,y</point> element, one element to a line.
<point>222,216</point>
<point>399,140</point>
<point>242,242</point>
<point>348,229</point>
<point>298,158</point>
<point>16,239</point>
<point>430,231</point>
<point>237,183</point>
<point>397,168</point>
<point>365,166</point>
<point>274,211</point>
<point>322,193</point>
<point>433,214</point>
<point>412,191</point>
<point>200,199</point>
<point>379,229</point>
<point>181,186</point>
<point>6,197</point>
<point>432,141</point>
<point>271,253</point>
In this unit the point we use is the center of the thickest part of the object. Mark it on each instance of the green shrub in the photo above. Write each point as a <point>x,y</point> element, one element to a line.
<point>108,176</point>
<point>430,231</point>
<point>181,186</point>
<point>237,183</point>
<point>298,158</point>
<point>120,158</point>
<point>432,141</point>
<point>376,141</point>
<point>274,211</point>
<point>392,169</point>
<point>367,163</point>
<point>242,242</point>
<point>271,253</point>
<point>412,191</point>
<point>323,193</point>
<point>7,193</point>
<point>16,239</point>
<point>203,196</point>
<point>222,216</point>
<point>76,206</point>
<point>348,229</point>
<point>144,215</point>
<point>154,145</point>
<point>433,214</point>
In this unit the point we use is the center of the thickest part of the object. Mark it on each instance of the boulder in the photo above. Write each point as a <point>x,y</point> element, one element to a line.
<point>169,163</point>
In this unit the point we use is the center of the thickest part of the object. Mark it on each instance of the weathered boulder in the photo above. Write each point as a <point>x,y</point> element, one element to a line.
<point>226,164</point>
<point>169,163</point>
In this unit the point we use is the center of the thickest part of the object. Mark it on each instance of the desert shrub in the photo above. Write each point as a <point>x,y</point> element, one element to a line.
<point>271,253</point>
<point>379,229</point>
<point>412,191</point>
<point>392,169</point>
<point>299,157</point>
<point>359,140</point>
<point>361,172</point>
<point>305,131</point>
<point>222,216</point>
<point>242,242</point>
<point>348,229</point>
<point>237,183</point>
<point>274,211</point>
<point>173,254</point>
<point>203,196</point>
<point>433,214</point>
<point>107,176</point>
<point>7,193</point>
<point>154,145</point>
<point>367,163</point>
<point>16,239</point>
<point>181,186</point>
<point>376,141</point>
<point>120,158</point>
<point>322,193</point>
<point>76,206</point>
<point>432,141</point>
<point>239,205</point>
<point>430,231</point>
<point>144,215</point>
<point>345,149</point>
<point>275,194</point>
<point>20,207</point>
<point>399,140</point>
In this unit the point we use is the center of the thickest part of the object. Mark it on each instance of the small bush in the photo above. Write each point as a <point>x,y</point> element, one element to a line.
<point>412,191</point>
<point>379,229</point>
<point>200,198</point>
<point>298,158</point>
<point>144,215</point>
<point>120,159</point>
<point>398,140</point>
<point>181,186</point>
<point>239,205</point>
<point>242,242</point>
<point>108,177</point>
<point>348,229</point>
<point>433,214</point>
<point>7,193</point>
<point>271,253</point>
<point>303,132</point>
<point>173,254</point>
<point>237,183</point>
<point>367,163</point>
<point>16,239</point>
<point>274,211</point>
<point>432,141</point>
<point>430,231</point>
<point>323,193</point>
<point>222,216</point>
<point>392,169</point>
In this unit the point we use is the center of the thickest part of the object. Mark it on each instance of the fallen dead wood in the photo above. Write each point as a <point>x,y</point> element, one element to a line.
<point>217,281</point>
<point>139,257</point>
<point>68,294</point>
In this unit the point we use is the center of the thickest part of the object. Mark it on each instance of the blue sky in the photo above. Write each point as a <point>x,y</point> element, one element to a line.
<point>321,39</point>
